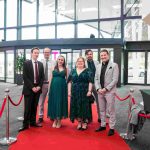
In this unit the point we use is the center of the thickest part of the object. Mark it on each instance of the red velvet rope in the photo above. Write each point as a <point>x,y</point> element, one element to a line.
<point>122,99</point>
<point>15,103</point>
<point>3,106</point>
<point>133,100</point>
<point>145,116</point>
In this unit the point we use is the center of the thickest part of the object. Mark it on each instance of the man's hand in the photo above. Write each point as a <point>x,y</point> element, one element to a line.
<point>34,89</point>
<point>38,88</point>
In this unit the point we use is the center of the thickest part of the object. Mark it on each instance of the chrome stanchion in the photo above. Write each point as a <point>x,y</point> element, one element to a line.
<point>7,140</point>
<point>126,135</point>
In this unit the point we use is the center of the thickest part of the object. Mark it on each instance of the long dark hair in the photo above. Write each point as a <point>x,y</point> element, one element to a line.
<point>64,64</point>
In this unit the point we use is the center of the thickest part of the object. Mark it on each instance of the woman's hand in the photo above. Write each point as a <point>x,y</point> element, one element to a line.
<point>89,93</point>
<point>69,94</point>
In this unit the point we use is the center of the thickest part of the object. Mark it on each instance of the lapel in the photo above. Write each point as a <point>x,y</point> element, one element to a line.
<point>108,66</point>
<point>32,70</point>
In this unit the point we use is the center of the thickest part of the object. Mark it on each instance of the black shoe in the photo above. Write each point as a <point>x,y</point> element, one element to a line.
<point>100,129</point>
<point>99,120</point>
<point>36,125</point>
<point>40,120</point>
<point>111,132</point>
<point>23,128</point>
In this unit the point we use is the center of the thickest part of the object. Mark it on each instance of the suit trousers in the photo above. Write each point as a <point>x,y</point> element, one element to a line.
<point>42,99</point>
<point>96,99</point>
<point>107,103</point>
<point>30,108</point>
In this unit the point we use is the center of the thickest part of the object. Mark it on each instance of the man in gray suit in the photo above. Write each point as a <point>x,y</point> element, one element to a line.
<point>106,78</point>
<point>48,64</point>
<point>91,65</point>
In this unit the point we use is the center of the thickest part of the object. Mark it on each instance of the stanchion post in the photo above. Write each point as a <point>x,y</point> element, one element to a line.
<point>7,140</point>
<point>126,135</point>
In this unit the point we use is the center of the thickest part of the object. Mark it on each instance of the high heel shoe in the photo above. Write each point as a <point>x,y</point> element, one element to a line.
<point>79,127</point>
<point>54,124</point>
<point>84,126</point>
<point>58,124</point>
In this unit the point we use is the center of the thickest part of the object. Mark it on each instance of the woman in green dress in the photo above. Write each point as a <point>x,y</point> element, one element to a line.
<point>79,88</point>
<point>58,98</point>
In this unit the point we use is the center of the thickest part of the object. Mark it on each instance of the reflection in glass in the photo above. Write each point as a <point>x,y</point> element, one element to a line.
<point>28,33</point>
<point>76,54</point>
<point>65,31</point>
<point>2,13</point>
<point>133,7</point>
<point>47,32</point>
<point>46,11</point>
<point>65,10</point>
<point>110,29</point>
<point>148,69</point>
<point>28,12</point>
<point>136,67</point>
<point>136,30</point>
<point>1,35</point>
<point>109,8</point>
<point>87,9</point>
<point>55,54</point>
<point>11,34</point>
<point>86,29</point>
<point>11,13</point>
<point>2,66</point>
<point>10,66</point>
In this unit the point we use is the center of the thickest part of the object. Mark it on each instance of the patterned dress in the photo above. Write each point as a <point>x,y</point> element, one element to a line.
<point>80,106</point>
<point>58,97</point>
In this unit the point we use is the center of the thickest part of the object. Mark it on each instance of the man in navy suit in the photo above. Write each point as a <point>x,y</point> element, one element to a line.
<point>33,76</point>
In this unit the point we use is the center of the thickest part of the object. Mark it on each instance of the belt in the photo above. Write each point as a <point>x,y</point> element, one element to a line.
<point>46,82</point>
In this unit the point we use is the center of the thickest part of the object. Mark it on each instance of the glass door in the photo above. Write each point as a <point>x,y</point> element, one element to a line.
<point>10,66</point>
<point>136,67</point>
<point>2,66</point>
<point>76,54</point>
<point>148,68</point>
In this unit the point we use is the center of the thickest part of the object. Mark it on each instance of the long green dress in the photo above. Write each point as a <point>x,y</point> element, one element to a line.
<point>57,101</point>
<point>80,106</point>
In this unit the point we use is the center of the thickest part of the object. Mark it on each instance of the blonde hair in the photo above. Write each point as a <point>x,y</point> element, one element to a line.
<point>80,57</point>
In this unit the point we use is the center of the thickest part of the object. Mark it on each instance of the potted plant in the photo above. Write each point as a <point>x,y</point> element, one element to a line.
<point>19,69</point>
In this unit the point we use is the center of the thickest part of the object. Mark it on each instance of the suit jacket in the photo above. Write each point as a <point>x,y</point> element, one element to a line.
<point>28,77</point>
<point>95,63</point>
<point>110,79</point>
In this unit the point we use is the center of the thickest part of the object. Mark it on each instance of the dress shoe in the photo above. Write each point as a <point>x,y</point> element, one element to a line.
<point>23,128</point>
<point>100,129</point>
<point>40,120</point>
<point>111,132</point>
<point>36,125</point>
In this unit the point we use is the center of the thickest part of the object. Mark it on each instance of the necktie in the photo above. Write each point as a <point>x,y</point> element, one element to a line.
<point>36,73</point>
<point>46,71</point>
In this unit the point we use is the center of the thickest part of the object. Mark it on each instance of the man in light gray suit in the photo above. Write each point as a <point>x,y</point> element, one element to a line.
<point>48,64</point>
<point>106,78</point>
<point>91,65</point>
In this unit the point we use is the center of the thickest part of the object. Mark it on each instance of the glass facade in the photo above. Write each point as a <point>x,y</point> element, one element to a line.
<point>30,19</point>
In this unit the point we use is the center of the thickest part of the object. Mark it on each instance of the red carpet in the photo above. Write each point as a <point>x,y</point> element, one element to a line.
<point>68,138</point>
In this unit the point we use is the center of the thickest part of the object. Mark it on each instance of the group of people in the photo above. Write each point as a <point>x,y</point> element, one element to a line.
<point>88,79</point>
